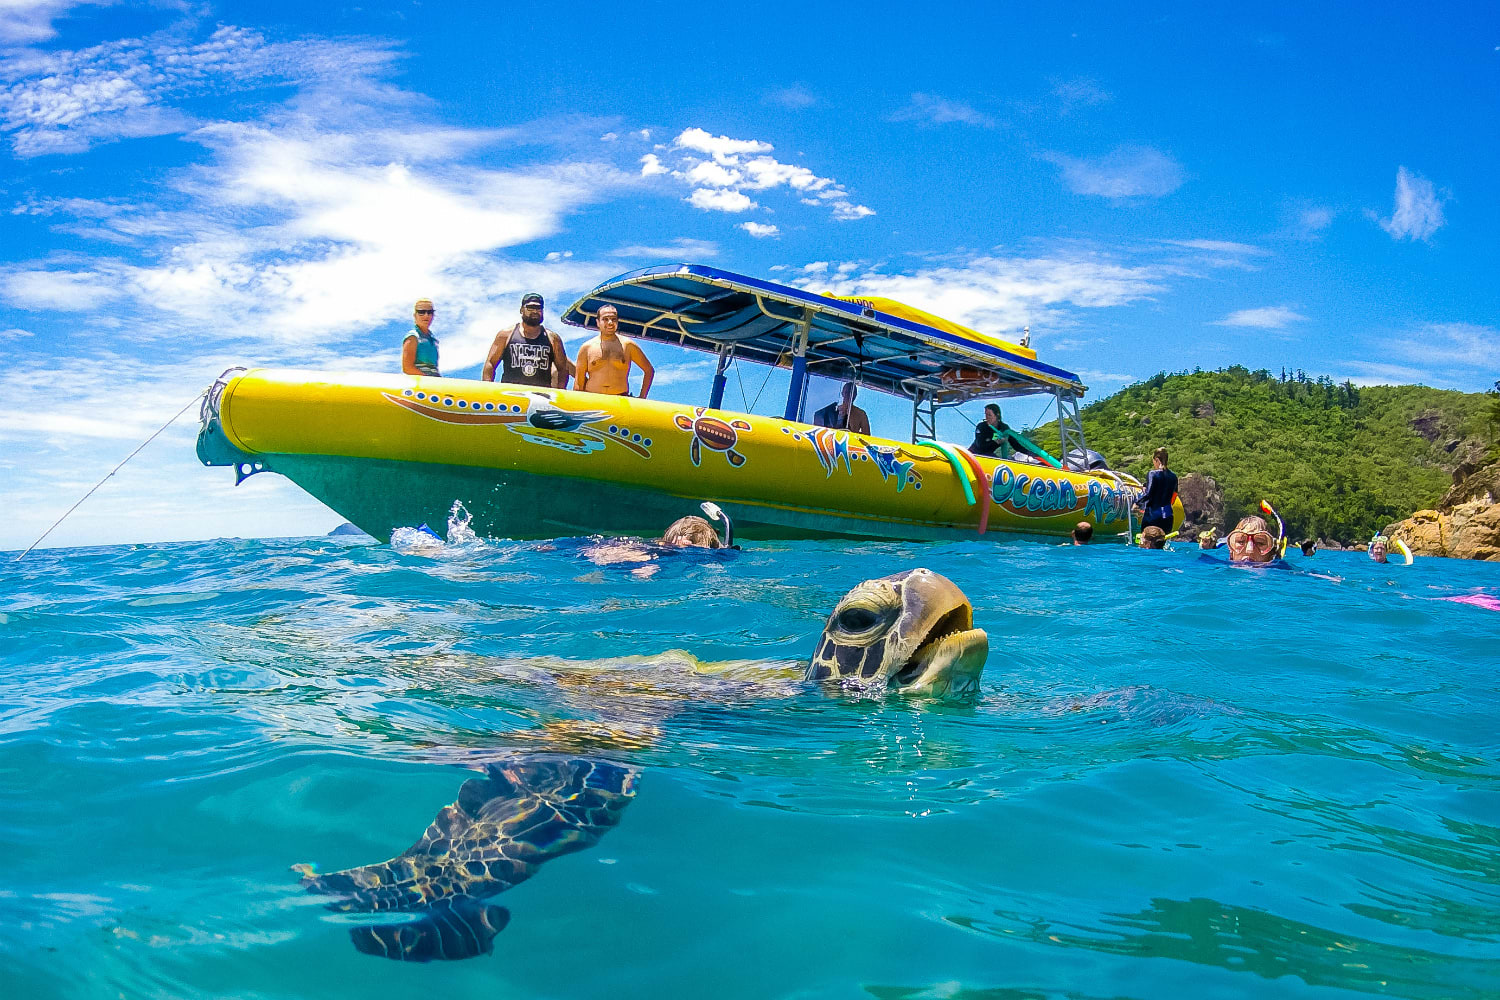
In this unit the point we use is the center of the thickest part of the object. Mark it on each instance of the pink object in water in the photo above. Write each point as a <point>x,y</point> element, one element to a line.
<point>1479,600</point>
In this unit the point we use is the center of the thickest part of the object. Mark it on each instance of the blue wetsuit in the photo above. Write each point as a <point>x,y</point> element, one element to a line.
<point>1161,486</point>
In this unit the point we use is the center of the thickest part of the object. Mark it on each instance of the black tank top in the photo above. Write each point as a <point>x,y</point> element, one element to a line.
<point>528,362</point>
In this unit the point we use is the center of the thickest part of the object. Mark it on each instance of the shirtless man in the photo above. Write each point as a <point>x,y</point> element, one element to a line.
<point>528,353</point>
<point>604,363</point>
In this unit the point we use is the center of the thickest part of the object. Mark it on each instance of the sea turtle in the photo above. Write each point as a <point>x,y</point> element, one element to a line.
<point>910,633</point>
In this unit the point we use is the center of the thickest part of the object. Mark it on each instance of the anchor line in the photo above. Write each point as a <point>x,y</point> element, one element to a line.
<point>111,472</point>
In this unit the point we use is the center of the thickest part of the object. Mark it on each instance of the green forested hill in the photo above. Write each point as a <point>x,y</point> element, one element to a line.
<point>1338,461</point>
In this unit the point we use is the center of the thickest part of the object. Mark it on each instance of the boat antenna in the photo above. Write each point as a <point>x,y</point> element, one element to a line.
<point>715,513</point>
<point>1026,336</point>
<point>111,472</point>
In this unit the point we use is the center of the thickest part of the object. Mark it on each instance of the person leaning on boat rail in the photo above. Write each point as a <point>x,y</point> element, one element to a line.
<point>528,353</point>
<point>843,414</point>
<point>990,433</point>
<point>1155,501</point>
<point>419,349</point>
<point>604,363</point>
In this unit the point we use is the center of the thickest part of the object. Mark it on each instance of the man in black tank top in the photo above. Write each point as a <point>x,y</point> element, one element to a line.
<point>528,353</point>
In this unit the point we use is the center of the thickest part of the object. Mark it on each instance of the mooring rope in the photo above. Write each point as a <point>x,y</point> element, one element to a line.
<point>117,468</point>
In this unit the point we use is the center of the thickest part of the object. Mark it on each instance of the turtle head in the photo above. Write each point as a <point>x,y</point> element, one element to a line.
<point>912,632</point>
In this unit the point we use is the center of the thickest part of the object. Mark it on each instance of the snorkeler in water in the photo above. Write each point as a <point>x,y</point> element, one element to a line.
<point>1251,541</point>
<point>1380,546</point>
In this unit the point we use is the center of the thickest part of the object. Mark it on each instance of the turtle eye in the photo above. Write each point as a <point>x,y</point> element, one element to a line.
<point>857,619</point>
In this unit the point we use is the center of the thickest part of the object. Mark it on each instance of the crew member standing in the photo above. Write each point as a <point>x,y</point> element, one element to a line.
<point>528,353</point>
<point>1155,501</point>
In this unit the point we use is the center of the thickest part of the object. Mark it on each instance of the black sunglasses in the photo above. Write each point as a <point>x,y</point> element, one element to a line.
<point>426,312</point>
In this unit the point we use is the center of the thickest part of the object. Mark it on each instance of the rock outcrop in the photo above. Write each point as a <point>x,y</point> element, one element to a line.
<point>1202,503</point>
<point>1466,523</point>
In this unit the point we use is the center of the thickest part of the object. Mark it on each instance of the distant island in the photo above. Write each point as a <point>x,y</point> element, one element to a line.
<point>346,529</point>
<point>1339,461</point>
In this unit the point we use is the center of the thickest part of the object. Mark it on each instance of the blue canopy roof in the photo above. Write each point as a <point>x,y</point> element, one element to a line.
<point>705,308</point>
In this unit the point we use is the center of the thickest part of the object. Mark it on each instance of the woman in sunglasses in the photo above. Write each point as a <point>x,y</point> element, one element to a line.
<point>419,350</point>
<point>1252,542</point>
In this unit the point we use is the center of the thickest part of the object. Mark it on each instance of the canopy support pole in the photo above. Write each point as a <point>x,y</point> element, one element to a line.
<point>923,416</point>
<point>1070,432</point>
<point>716,396</point>
<point>796,395</point>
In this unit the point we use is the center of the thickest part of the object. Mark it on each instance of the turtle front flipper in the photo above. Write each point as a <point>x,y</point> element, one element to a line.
<point>503,826</point>
<point>450,929</point>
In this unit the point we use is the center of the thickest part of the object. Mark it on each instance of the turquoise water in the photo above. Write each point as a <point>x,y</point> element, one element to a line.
<point>1180,779</point>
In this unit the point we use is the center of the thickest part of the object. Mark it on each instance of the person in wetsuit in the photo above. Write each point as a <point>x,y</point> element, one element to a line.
<point>1155,501</point>
<point>528,353</point>
<point>989,433</point>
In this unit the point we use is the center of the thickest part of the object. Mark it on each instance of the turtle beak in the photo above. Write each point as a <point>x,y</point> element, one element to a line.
<point>950,654</point>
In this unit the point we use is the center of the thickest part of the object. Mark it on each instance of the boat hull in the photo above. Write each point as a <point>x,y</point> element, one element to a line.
<point>387,451</point>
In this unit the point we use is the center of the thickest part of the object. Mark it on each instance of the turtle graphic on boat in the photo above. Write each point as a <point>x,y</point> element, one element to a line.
<point>911,633</point>
<point>712,433</point>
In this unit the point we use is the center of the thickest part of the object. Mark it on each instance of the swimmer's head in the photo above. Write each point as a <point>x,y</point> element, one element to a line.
<point>1153,538</point>
<point>691,532</point>
<point>1378,546</point>
<point>1251,542</point>
<point>1208,538</point>
<point>1083,533</point>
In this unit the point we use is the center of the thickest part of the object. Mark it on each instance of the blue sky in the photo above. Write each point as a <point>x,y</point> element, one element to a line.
<point>188,186</point>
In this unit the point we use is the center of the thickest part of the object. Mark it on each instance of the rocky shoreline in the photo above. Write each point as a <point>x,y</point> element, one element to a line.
<point>1466,522</point>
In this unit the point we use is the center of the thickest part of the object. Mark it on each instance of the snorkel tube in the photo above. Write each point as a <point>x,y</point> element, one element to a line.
<point>1265,506</point>
<point>715,513</point>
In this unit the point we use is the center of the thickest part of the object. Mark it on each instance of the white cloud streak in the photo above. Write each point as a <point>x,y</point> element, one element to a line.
<point>1418,211</point>
<point>760,230</point>
<point>999,295</point>
<point>930,109</point>
<point>68,101</point>
<point>27,21</point>
<point>1126,172</point>
<point>1264,318</point>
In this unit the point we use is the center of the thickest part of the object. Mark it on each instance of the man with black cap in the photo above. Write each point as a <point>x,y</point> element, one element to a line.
<point>528,353</point>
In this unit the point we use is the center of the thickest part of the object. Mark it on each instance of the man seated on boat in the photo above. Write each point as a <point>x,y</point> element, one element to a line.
<point>604,362</point>
<point>843,414</point>
<point>528,353</point>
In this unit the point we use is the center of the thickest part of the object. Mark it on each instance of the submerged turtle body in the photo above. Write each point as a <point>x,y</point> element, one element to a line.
<point>911,633</point>
<point>502,827</point>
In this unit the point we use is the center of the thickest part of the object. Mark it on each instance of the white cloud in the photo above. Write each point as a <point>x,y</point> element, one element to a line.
<point>680,249</point>
<point>722,148</point>
<point>14,333</point>
<point>1458,355</point>
<point>28,21</point>
<point>794,97</point>
<point>931,109</point>
<point>1000,295</point>
<point>1264,318</point>
<point>1079,93</point>
<point>711,174</point>
<point>759,230</point>
<point>1418,211</point>
<point>720,201</point>
<point>1126,172</point>
<point>67,101</point>
<point>737,166</point>
<point>1308,222</point>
